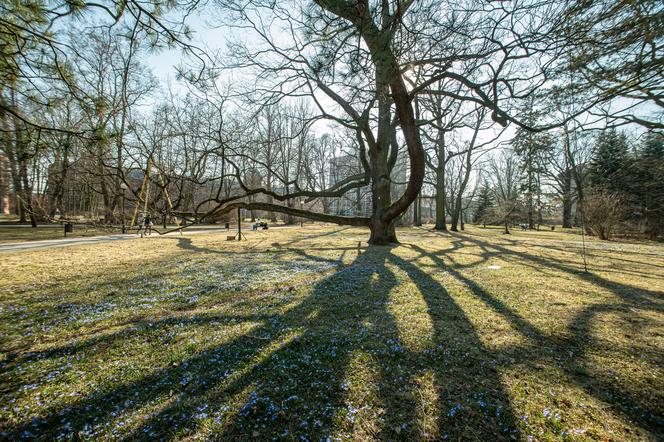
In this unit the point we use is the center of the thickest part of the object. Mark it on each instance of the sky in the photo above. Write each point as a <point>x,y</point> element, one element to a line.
<point>208,34</point>
<point>164,62</point>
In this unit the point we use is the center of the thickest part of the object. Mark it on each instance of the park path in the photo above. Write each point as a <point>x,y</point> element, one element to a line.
<point>66,242</point>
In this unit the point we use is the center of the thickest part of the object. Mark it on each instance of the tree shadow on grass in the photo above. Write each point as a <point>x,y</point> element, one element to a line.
<point>171,309</point>
<point>570,349</point>
<point>626,293</point>
<point>473,404</point>
<point>186,243</point>
<point>316,235</point>
<point>336,362</point>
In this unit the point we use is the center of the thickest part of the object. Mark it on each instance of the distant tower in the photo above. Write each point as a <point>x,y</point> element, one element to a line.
<point>4,186</point>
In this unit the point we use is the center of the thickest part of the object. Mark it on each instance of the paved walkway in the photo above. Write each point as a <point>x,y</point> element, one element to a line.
<point>65,242</point>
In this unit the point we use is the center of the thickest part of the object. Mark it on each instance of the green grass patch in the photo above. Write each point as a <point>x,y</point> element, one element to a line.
<point>308,334</point>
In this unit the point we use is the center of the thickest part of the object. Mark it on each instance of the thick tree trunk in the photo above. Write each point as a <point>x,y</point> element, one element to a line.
<point>56,185</point>
<point>540,218</point>
<point>415,212</point>
<point>288,218</point>
<point>164,217</point>
<point>529,199</point>
<point>457,209</point>
<point>575,175</point>
<point>440,199</point>
<point>4,186</point>
<point>382,233</point>
<point>567,200</point>
<point>457,213</point>
<point>440,184</point>
<point>431,211</point>
<point>389,72</point>
<point>106,193</point>
<point>19,208</point>
<point>108,209</point>
<point>390,89</point>
<point>454,222</point>
<point>27,194</point>
<point>382,229</point>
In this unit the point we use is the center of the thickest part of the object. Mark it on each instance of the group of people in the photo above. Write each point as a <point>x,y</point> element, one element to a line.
<point>145,225</point>
<point>259,225</point>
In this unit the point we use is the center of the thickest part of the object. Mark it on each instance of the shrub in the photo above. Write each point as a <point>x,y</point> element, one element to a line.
<point>603,211</point>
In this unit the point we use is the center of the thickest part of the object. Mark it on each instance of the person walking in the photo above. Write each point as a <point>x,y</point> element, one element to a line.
<point>148,224</point>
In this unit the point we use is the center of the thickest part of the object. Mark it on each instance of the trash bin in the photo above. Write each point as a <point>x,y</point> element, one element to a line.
<point>69,228</point>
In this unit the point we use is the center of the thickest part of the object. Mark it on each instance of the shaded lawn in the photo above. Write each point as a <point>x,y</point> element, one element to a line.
<point>310,335</point>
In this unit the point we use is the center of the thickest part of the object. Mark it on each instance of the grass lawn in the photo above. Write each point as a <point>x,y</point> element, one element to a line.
<point>308,334</point>
<point>23,233</point>
<point>26,233</point>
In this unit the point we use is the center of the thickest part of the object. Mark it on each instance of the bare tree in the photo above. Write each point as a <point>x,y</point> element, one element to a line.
<point>21,144</point>
<point>472,151</point>
<point>603,211</point>
<point>616,52</point>
<point>356,63</point>
<point>446,117</point>
<point>110,81</point>
<point>505,171</point>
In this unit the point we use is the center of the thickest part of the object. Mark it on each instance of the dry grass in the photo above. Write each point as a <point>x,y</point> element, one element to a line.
<point>310,334</point>
<point>26,233</point>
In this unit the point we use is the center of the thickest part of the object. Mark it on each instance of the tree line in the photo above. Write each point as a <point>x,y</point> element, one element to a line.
<point>366,113</point>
